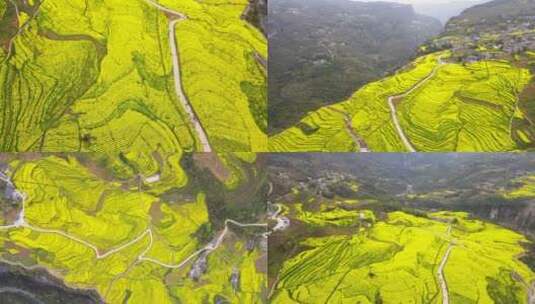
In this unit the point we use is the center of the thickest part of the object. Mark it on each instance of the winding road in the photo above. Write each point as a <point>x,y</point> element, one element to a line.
<point>22,223</point>
<point>186,104</point>
<point>282,221</point>
<point>393,111</point>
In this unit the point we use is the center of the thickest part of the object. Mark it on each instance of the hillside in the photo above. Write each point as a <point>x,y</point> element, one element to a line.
<point>410,228</point>
<point>110,76</point>
<point>184,229</point>
<point>322,51</point>
<point>496,187</point>
<point>470,89</point>
<point>443,10</point>
<point>402,251</point>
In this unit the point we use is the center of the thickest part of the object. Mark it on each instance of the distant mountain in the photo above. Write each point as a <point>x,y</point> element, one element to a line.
<point>426,171</point>
<point>445,10</point>
<point>442,10</point>
<point>497,17</point>
<point>321,51</point>
<point>470,89</point>
<point>502,9</point>
<point>463,181</point>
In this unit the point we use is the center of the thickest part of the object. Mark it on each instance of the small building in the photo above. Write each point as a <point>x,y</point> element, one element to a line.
<point>471,59</point>
<point>199,268</point>
<point>250,245</point>
<point>152,179</point>
<point>235,279</point>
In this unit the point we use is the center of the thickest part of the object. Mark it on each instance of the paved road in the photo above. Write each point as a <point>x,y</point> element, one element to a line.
<point>22,223</point>
<point>441,277</point>
<point>194,119</point>
<point>282,221</point>
<point>207,249</point>
<point>393,112</point>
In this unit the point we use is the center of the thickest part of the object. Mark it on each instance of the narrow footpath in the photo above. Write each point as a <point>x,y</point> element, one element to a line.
<point>363,147</point>
<point>359,141</point>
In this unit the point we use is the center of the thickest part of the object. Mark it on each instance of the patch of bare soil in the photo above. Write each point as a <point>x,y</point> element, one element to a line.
<point>212,162</point>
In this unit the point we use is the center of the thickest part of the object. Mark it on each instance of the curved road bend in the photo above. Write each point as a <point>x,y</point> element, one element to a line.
<point>22,223</point>
<point>282,221</point>
<point>208,248</point>
<point>393,111</point>
<point>186,104</point>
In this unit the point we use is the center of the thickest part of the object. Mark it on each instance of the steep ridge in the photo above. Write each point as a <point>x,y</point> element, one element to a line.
<point>322,51</point>
<point>479,99</point>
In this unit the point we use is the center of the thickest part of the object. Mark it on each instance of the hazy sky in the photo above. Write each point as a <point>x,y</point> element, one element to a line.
<point>420,1</point>
<point>442,10</point>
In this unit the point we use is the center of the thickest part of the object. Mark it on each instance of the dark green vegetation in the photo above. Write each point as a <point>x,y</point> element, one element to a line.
<point>239,203</point>
<point>21,286</point>
<point>256,14</point>
<point>322,51</point>
<point>470,89</point>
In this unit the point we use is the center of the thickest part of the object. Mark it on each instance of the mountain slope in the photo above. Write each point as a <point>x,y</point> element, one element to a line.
<point>321,51</point>
<point>406,227</point>
<point>470,89</point>
<point>110,76</point>
<point>444,10</point>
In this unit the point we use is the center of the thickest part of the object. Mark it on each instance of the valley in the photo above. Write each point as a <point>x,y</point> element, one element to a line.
<point>322,51</point>
<point>468,90</point>
<point>384,228</point>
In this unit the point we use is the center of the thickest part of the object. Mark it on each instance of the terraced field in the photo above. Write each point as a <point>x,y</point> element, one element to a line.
<point>134,77</point>
<point>398,260</point>
<point>125,240</point>
<point>429,105</point>
<point>336,217</point>
<point>524,187</point>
